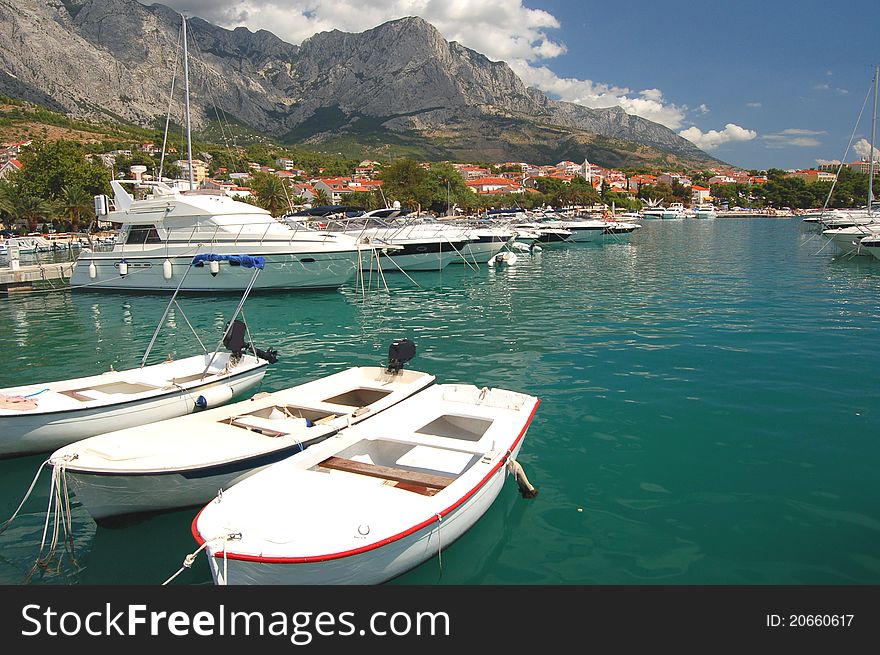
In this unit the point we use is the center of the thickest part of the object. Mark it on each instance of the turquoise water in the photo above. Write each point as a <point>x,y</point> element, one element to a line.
<point>709,405</point>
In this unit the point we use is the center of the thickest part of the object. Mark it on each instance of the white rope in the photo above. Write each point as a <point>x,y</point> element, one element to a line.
<point>190,559</point>
<point>24,500</point>
<point>439,545</point>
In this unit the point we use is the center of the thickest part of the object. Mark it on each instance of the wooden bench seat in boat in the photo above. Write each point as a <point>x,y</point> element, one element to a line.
<point>404,476</point>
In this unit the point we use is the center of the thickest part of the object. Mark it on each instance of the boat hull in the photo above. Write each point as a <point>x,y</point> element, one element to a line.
<point>146,272</point>
<point>374,566</point>
<point>30,433</point>
<point>107,495</point>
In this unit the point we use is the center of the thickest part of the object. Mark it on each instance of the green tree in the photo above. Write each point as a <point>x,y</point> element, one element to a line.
<point>74,203</point>
<point>407,182</point>
<point>271,192</point>
<point>50,166</point>
<point>321,197</point>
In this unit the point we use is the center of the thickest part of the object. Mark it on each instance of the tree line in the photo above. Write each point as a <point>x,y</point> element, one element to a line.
<point>59,180</point>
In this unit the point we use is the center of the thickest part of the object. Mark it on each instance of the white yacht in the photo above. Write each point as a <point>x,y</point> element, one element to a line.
<point>674,210</point>
<point>400,244</point>
<point>851,240</point>
<point>159,236</point>
<point>705,210</point>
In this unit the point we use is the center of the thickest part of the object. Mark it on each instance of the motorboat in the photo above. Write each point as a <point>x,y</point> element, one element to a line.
<point>581,229</point>
<point>406,245</point>
<point>653,212</point>
<point>705,210</point>
<point>850,240</point>
<point>186,461</point>
<point>870,245</point>
<point>376,499</point>
<point>43,416</point>
<point>487,242</point>
<point>674,210</point>
<point>546,232</point>
<point>160,234</point>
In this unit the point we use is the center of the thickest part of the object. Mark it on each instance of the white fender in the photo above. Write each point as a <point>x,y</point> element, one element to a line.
<point>214,396</point>
<point>215,267</point>
<point>93,270</point>
<point>167,269</point>
<point>123,268</point>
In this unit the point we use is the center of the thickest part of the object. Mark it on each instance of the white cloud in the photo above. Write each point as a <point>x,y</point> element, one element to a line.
<point>793,137</point>
<point>714,138</point>
<point>828,162</point>
<point>821,87</point>
<point>863,147</point>
<point>703,109</point>
<point>753,105</point>
<point>502,30</point>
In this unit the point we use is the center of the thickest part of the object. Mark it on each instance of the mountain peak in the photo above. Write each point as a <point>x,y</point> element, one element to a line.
<point>399,84</point>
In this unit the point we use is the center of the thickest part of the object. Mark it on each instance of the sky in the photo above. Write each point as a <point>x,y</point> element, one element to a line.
<point>755,83</point>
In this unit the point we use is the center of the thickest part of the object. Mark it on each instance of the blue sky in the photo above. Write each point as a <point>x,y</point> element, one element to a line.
<point>776,83</point>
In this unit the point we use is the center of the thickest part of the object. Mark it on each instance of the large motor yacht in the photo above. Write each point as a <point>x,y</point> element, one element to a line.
<point>160,235</point>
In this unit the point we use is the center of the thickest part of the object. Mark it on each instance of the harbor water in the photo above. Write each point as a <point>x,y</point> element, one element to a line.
<point>710,406</point>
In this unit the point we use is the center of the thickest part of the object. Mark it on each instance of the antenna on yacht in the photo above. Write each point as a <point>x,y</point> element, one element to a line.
<point>186,86</point>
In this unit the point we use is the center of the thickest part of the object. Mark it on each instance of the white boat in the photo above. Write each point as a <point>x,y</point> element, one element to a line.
<point>160,234</point>
<point>851,240</point>
<point>654,212</point>
<point>674,210</point>
<point>185,461</point>
<point>546,232</point>
<point>870,245</point>
<point>582,229</point>
<point>705,210</point>
<point>485,245</point>
<point>41,417</point>
<point>374,501</point>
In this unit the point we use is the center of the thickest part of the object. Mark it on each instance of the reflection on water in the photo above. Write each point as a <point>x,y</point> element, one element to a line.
<point>707,416</point>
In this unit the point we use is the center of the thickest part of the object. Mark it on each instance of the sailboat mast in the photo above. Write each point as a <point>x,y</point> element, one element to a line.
<point>871,151</point>
<point>188,132</point>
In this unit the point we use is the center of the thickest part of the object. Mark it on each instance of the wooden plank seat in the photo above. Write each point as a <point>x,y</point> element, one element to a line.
<point>392,473</point>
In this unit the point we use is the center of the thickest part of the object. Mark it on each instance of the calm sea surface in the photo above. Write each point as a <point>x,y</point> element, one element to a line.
<point>710,405</point>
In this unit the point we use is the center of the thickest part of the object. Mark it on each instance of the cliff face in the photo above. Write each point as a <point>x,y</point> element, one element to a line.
<point>400,82</point>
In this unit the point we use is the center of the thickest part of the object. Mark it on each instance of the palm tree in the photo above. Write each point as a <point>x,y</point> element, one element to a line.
<point>321,197</point>
<point>271,193</point>
<point>74,202</point>
<point>19,205</point>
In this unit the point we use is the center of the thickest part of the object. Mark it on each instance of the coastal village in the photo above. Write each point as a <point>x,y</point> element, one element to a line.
<point>504,184</point>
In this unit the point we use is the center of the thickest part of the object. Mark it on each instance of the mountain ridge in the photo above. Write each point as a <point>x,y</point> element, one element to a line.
<point>399,85</point>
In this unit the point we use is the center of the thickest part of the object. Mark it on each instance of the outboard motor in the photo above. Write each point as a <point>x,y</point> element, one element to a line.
<point>399,353</point>
<point>234,341</point>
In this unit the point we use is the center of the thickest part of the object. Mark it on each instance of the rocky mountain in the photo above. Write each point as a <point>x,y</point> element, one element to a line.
<point>398,87</point>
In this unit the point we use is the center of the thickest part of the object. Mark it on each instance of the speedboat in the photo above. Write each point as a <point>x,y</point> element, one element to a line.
<point>159,235</point>
<point>705,210</point>
<point>186,461</point>
<point>871,245</point>
<point>375,500</point>
<point>546,232</point>
<point>849,240</point>
<point>401,244</point>
<point>41,417</point>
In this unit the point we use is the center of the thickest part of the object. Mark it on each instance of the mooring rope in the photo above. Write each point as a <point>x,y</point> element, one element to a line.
<point>190,559</point>
<point>439,545</point>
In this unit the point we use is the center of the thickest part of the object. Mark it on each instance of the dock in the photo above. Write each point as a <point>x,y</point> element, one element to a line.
<point>33,277</point>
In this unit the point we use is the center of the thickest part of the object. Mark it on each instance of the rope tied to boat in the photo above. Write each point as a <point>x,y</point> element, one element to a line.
<point>439,545</point>
<point>526,489</point>
<point>58,513</point>
<point>190,559</point>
